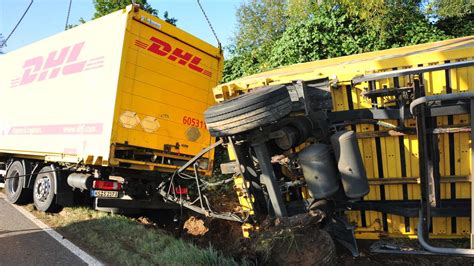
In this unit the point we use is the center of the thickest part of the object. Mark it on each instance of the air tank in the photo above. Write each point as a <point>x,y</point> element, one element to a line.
<point>319,170</point>
<point>350,165</point>
<point>80,181</point>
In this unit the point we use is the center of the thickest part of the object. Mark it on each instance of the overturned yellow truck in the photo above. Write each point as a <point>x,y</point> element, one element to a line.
<point>381,142</point>
<point>118,109</point>
<point>109,108</point>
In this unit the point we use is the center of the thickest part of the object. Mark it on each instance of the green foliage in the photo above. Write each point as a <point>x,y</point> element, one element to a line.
<point>403,21</point>
<point>457,26</point>
<point>260,22</point>
<point>246,61</point>
<point>234,68</point>
<point>329,33</point>
<point>300,10</point>
<point>308,30</point>
<point>450,8</point>
<point>169,19</point>
<point>114,238</point>
<point>454,17</point>
<point>104,7</point>
<point>152,247</point>
<point>417,32</point>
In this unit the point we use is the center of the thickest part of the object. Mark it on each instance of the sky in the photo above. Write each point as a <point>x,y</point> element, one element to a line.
<point>48,17</point>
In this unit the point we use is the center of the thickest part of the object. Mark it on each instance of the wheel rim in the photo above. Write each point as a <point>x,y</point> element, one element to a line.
<point>42,188</point>
<point>13,182</point>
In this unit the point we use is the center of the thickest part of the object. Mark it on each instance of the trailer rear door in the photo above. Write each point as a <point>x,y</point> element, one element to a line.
<point>165,86</point>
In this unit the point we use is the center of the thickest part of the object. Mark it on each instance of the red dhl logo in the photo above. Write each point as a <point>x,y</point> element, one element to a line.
<point>59,62</point>
<point>165,49</point>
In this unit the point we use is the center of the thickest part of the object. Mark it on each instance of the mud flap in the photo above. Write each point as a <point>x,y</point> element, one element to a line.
<point>341,231</point>
<point>64,193</point>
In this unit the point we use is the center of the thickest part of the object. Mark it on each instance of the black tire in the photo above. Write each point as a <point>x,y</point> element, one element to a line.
<point>44,197</point>
<point>248,111</point>
<point>15,187</point>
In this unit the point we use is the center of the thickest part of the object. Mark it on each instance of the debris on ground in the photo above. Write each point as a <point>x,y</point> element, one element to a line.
<point>147,222</point>
<point>195,226</point>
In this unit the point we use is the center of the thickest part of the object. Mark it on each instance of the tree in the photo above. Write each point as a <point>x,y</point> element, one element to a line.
<point>406,24</point>
<point>455,17</point>
<point>260,22</point>
<point>104,7</point>
<point>457,26</point>
<point>306,30</point>
<point>449,8</point>
<point>328,33</point>
<point>168,19</point>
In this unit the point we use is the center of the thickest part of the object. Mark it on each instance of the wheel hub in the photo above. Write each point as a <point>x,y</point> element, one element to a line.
<point>43,189</point>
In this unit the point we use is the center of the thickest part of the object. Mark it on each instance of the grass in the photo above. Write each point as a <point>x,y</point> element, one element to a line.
<point>269,240</point>
<point>120,240</point>
<point>126,242</point>
<point>67,216</point>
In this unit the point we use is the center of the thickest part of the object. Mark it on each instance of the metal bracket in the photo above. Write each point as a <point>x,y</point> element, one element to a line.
<point>166,189</point>
<point>198,156</point>
<point>388,248</point>
<point>343,232</point>
<point>267,176</point>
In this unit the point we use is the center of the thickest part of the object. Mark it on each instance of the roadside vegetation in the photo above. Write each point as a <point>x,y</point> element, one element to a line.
<point>104,7</point>
<point>121,240</point>
<point>275,33</point>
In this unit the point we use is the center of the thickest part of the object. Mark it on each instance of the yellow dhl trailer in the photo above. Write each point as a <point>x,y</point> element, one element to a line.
<point>380,139</point>
<point>109,107</point>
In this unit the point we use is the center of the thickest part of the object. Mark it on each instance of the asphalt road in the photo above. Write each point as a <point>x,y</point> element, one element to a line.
<point>24,243</point>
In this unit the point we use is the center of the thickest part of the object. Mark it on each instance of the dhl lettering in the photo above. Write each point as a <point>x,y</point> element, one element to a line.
<point>59,62</point>
<point>177,55</point>
<point>159,47</point>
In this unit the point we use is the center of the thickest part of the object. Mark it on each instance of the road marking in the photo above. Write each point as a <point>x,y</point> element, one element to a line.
<point>50,231</point>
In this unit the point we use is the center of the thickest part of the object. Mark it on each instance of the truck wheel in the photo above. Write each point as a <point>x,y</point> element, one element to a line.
<point>43,191</point>
<point>248,111</point>
<point>15,184</point>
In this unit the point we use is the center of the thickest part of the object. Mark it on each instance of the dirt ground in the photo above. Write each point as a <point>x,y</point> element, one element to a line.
<point>301,247</point>
<point>279,245</point>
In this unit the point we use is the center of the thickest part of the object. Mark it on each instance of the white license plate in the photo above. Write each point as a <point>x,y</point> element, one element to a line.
<point>106,194</point>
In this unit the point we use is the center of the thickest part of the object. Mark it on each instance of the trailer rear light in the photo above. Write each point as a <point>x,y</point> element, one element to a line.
<point>181,190</point>
<point>107,185</point>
